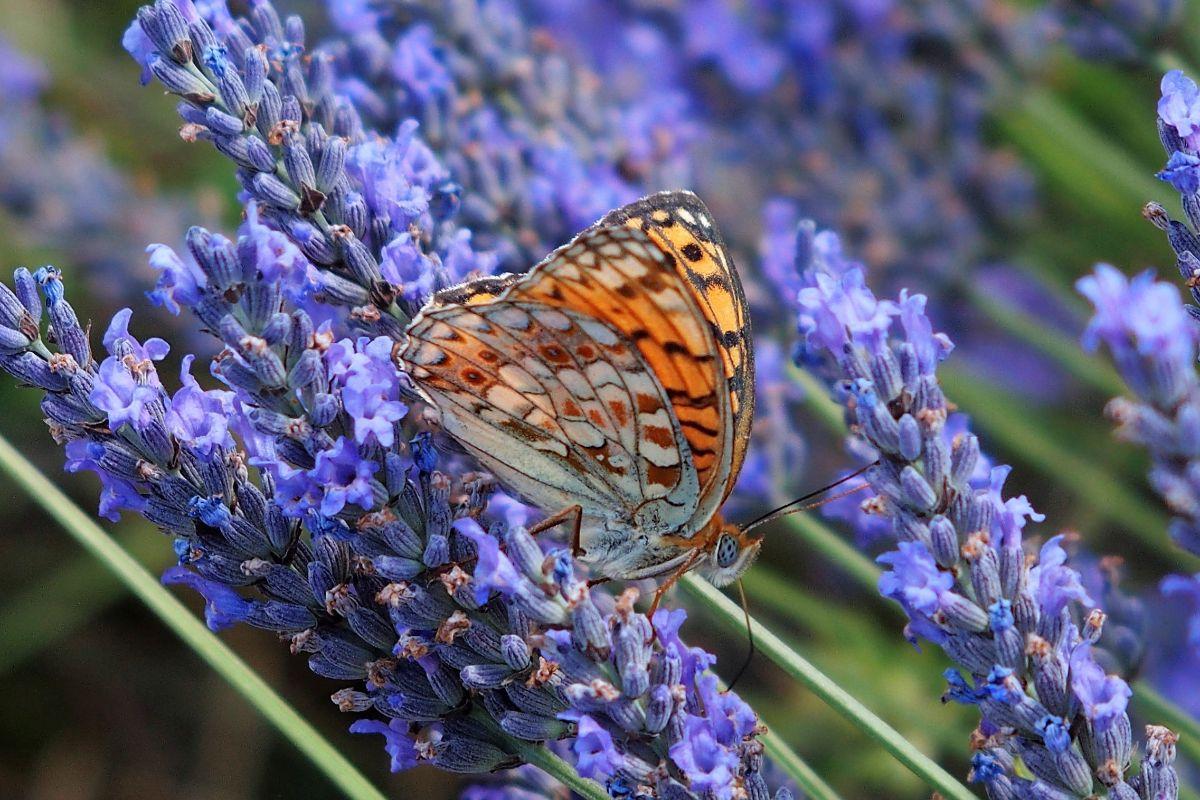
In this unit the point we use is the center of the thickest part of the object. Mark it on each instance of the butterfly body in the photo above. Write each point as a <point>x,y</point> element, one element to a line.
<point>615,376</point>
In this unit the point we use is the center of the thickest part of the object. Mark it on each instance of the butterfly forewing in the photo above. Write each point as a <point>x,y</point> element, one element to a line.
<point>570,384</point>
<point>680,223</point>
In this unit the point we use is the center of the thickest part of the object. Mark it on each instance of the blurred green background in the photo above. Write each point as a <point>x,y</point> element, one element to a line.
<point>97,700</point>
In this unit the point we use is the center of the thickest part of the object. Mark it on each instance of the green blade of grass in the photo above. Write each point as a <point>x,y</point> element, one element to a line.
<point>841,701</point>
<point>1079,143</point>
<point>293,727</point>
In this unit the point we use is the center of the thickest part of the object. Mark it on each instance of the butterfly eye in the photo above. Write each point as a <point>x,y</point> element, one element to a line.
<point>726,551</point>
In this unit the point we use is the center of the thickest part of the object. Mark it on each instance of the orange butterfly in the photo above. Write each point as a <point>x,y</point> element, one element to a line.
<point>614,381</point>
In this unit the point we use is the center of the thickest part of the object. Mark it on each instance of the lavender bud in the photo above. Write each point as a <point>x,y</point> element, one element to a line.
<point>985,568</point>
<point>275,192</point>
<point>298,162</point>
<point>515,651</point>
<point>340,291</point>
<point>13,342</point>
<point>33,370</point>
<point>943,540</point>
<point>909,528</point>
<point>589,627</point>
<point>937,461</point>
<point>467,755</point>
<point>333,160</point>
<point>1158,773</point>
<point>167,29</point>
<point>255,69</point>
<point>27,292</point>
<point>964,457</point>
<point>270,110</point>
<point>532,727</point>
<point>918,494</point>
<point>485,676</point>
<point>659,708</point>
<point>222,123</point>
<point>177,80</point>
<point>359,259</point>
<point>962,613</point>
<point>909,438</point>
<point>291,109</point>
<point>215,255</point>
<point>304,373</point>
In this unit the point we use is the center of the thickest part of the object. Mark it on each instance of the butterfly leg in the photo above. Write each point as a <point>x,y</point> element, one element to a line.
<point>666,585</point>
<point>575,515</point>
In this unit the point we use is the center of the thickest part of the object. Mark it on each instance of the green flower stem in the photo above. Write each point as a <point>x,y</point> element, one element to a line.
<point>545,759</point>
<point>343,774</point>
<point>79,591</point>
<point>820,537</point>
<point>797,667</point>
<point>829,620</point>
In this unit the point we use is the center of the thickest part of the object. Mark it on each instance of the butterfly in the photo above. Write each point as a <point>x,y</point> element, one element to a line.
<point>613,381</point>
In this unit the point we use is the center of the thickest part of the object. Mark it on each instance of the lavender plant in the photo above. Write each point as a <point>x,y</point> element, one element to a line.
<point>307,498</point>
<point>469,643</point>
<point>1153,337</point>
<point>1014,624</point>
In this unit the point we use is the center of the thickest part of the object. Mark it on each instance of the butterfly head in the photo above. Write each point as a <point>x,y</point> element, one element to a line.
<point>730,553</point>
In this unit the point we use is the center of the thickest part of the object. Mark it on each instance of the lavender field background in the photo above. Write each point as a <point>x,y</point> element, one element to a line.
<point>985,154</point>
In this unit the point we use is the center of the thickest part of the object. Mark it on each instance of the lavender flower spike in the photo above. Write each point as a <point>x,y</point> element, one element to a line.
<point>459,641</point>
<point>1013,623</point>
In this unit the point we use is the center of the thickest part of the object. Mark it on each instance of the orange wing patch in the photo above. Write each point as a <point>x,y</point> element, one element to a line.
<point>621,278</point>
<point>682,226</point>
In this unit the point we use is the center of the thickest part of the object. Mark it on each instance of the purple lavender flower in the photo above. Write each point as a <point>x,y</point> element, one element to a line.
<point>329,198</point>
<point>960,570</point>
<point>1182,172</point>
<point>1179,106</point>
<point>543,146</point>
<point>1154,341</point>
<point>381,581</point>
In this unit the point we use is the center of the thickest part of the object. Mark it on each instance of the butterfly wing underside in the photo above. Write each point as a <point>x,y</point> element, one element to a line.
<point>581,381</point>
<point>680,223</point>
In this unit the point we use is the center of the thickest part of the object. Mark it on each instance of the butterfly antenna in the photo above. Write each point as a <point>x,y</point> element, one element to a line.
<point>786,508</point>
<point>749,636</point>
